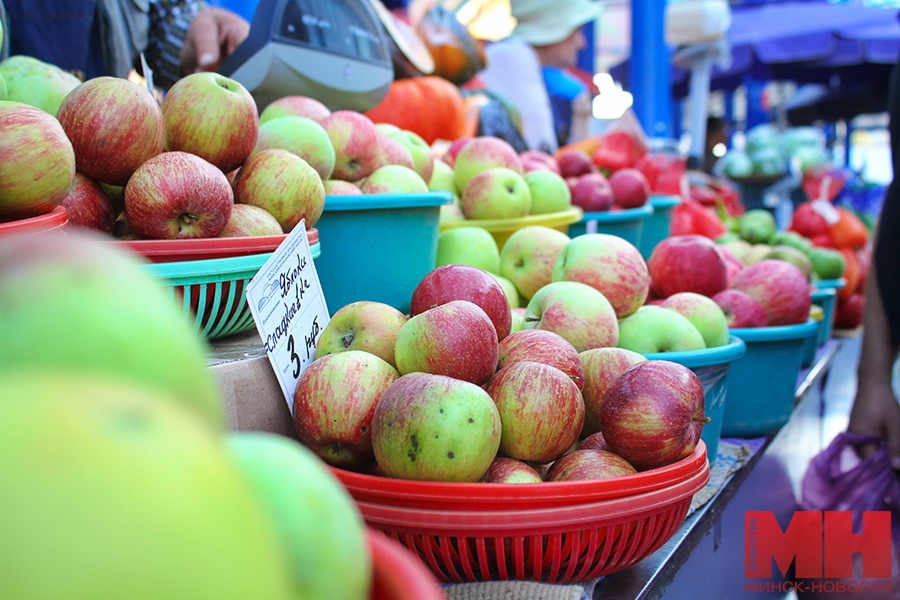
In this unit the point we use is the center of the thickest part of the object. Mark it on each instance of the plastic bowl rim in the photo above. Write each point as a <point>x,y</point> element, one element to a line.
<point>730,352</point>
<point>383,201</point>
<point>830,283</point>
<point>664,201</point>
<point>777,333</point>
<point>627,215</point>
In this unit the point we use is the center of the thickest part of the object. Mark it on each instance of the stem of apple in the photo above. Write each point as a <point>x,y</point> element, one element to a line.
<point>188,218</point>
<point>701,419</point>
<point>532,319</point>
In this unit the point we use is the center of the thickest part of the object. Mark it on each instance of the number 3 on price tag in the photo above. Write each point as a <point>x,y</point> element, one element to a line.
<point>289,309</point>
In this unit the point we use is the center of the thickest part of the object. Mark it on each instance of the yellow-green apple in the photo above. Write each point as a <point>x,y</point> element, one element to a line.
<point>64,288</point>
<point>456,339</point>
<point>386,129</point>
<point>780,287</point>
<point>541,411</point>
<point>317,522</point>
<point>591,192</point>
<point>114,126</point>
<point>392,152</point>
<point>704,313</point>
<point>757,226</point>
<point>136,487</point>
<point>496,193</point>
<point>301,136</point>
<point>336,187</point>
<point>577,312</point>
<point>594,441</point>
<point>518,320</point>
<point>461,282</point>
<point>537,345</point>
<point>442,179</point>
<point>586,463</point>
<point>284,185</point>
<point>611,265</point>
<point>457,145</point>
<point>212,116</point>
<point>178,195</point>
<point>452,212</point>
<point>654,329</point>
<point>652,415</point>
<point>538,159</point>
<point>528,256</point>
<point>248,220</point>
<point>574,162</point>
<point>473,246</point>
<point>362,325</point>
<point>355,141</point>
<point>510,470</point>
<point>2,87</point>
<point>482,153</point>
<point>419,149</point>
<point>796,257</point>
<point>741,309</point>
<point>509,289</point>
<point>756,253</point>
<point>687,263</point>
<point>36,83</point>
<point>37,162</point>
<point>602,366</point>
<point>630,188</point>
<point>296,106</point>
<point>88,206</point>
<point>394,179</point>
<point>435,428</point>
<point>549,192</point>
<point>334,402</point>
<point>739,248</point>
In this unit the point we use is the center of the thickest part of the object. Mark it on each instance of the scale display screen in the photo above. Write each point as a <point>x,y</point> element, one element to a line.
<point>339,26</point>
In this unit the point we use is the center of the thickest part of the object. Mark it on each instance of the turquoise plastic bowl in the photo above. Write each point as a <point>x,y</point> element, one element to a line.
<point>656,226</point>
<point>378,247</point>
<point>829,304</point>
<point>627,224</point>
<point>827,299</point>
<point>762,384</point>
<point>712,366</point>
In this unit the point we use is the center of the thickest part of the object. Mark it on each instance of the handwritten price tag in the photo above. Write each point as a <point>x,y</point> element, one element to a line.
<point>289,310</point>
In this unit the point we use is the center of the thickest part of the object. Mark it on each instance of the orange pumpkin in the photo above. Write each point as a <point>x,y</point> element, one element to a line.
<point>429,106</point>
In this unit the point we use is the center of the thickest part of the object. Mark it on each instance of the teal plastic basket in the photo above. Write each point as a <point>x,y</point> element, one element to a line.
<point>656,226</point>
<point>762,384</point>
<point>378,247</point>
<point>712,366</point>
<point>211,292</point>
<point>627,224</point>
<point>827,299</point>
<point>829,304</point>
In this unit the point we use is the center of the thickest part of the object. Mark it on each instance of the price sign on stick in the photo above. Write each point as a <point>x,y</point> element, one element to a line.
<point>289,309</point>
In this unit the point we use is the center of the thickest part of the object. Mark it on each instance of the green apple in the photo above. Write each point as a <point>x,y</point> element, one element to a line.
<point>420,151</point>
<point>528,256</point>
<point>452,212</point>
<point>392,152</point>
<point>298,106</point>
<point>703,313</point>
<point>738,247</point>
<point>473,246</point>
<point>386,128</point>
<point>509,289</point>
<point>319,526</point>
<point>126,494</point>
<point>793,256</point>
<point>756,226</point>
<point>575,311</point>
<point>32,81</point>
<point>363,325</point>
<point>2,87</point>
<point>301,136</point>
<point>827,263</point>
<point>792,239</point>
<point>394,179</point>
<point>756,253</point>
<point>549,192</point>
<point>336,187</point>
<point>80,302</point>
<point>497,193</point>
<point>653,329</point>
<point>518,321</point>
<point>442,179</point>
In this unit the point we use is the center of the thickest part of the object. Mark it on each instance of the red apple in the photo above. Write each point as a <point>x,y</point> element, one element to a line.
<point>297,106</point>
<point>248,220</point>
<point>602,366</point>
<point>848,313</point>
<point>577,312</point>
<point>630,188</point>
<point>510,470</point>
<point>453,150</point>
<point>177,195</point>
<point>594,441</point>
<point>462,282</point>
<point>741,309</point>
<point>482,153</point>
<point>88,206</point>
<point>336,187</point>
<point>541,411</point>
<point>574,162</point>
<point>592,192</point>
<point>362,325</point>
<point>392,152</point>
<point>537,345</point>
<point>780,287</point>
<point>733,264</point>
<point>687,263</point>
<point>652,415</point>
<point>114,126</point>
<point>538,159</point>
<point>589,464</point>
<point>355,141</point>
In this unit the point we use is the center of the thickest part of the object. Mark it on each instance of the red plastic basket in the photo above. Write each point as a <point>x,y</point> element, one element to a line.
<point>397,574</point>
<point>162,251</point>
<point>560,544</point>
<point>51,221</point>
<point>488,496</point>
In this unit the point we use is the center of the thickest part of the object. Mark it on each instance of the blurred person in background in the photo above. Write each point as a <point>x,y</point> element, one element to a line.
<point>716,134</point>
<point>105,37</point>
<point>530,68</point>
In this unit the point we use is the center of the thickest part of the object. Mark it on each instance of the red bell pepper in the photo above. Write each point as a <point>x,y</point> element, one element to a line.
<point>690,217</point>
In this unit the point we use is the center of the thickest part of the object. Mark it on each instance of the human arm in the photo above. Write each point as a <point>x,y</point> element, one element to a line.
<point>211,37</point>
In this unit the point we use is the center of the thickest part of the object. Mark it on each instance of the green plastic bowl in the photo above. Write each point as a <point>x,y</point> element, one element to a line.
<point>627,224</point>
<point>711,365</point>
<point>762,384</point>
<point>656,226</point>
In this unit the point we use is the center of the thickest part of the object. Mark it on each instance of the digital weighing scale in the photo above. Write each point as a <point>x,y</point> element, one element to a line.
<point>335,51</point>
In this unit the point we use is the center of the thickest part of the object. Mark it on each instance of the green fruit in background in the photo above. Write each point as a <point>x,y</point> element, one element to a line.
<point>827,263</point>
<point>756,226</point>
<point>792,239</point>
<point>113,492</point>
<point>79,302</point>
<point>756,253</point>
<point>793,256</point>
<point>320,528</point>
<point>739,248</point>
<point>472,246</point>
<point>34,82</point>
<point>727,237</point>
<point>2,87</point>
<point>816,312</point>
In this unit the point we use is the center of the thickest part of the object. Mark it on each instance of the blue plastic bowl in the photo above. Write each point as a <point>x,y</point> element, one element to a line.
<point>656,226</point>
<point>829,304</point>
<point>762,384</point>
<point>827,299</point>
<point>711,365</point>
<point>377,247</point>
<point>627,224</point>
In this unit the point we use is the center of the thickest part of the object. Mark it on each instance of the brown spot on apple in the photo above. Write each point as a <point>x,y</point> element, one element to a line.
<point>449,455</point>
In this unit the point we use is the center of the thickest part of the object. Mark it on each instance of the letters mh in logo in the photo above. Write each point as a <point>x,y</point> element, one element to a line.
<point>823,544</point>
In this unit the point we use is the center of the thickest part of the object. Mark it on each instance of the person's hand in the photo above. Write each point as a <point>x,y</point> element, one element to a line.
<point>877,413</point>
<point>211,37</point>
